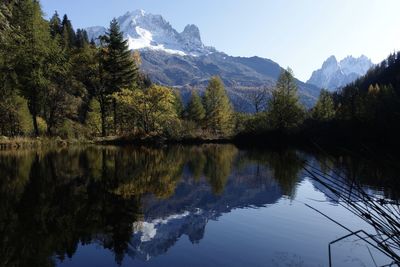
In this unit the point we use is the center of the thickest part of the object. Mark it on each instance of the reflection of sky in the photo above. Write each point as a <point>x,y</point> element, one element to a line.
<point>280,234</point>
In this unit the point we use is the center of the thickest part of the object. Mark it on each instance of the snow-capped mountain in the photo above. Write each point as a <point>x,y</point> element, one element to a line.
<point>334,74</point>
<point>145,30</point>
<point>181,60</point>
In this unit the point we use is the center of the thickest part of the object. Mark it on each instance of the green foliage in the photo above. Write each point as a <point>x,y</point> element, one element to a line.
<point>32,55</point>
<point>42,125</point>
<point>178,103</point>
<point>56,27</point>
<point>218,108</point>
<point>14,116</point>
<point>284,109</point>
<point>67,33</point>
<point>118,70</point>
<point>324,110</point>
<point>93,119</point>
<point>117,61</point>
<point>153,110</point>
<point>195,109</point>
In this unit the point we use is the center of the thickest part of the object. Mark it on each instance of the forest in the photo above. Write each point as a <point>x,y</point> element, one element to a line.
<point>57,82</point>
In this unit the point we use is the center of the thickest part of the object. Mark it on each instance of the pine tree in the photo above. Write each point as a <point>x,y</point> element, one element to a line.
<point>118,61</point>
<point>218,108</point>
<point>68,33</point>
<point>284,109</point>
<point>195,109</point>
<point>118,66</point>
<point>82,38</point>
<point>55,25</point>
<point>324,110</point>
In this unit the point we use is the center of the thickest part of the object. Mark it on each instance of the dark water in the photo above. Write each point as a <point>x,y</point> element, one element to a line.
<point>212,205</point>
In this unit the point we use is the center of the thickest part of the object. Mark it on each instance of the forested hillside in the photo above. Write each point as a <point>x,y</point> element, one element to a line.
<point>57,82</point>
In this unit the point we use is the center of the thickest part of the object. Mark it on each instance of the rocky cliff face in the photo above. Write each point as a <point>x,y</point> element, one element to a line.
<point>335,74</point>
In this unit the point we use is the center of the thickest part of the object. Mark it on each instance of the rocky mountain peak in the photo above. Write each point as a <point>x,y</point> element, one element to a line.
<point>147,31</point>
<point>335,74</point>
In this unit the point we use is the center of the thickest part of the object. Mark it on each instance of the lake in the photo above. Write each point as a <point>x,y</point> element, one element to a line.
<point>209,205</point>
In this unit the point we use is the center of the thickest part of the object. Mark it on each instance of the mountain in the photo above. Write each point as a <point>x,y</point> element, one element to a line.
<point>181,60</point>
<point>144,30</point>
<point>334,74</point>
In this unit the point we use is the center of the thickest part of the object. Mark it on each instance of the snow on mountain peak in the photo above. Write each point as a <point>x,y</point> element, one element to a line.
<point>334,74</point>
<point>147,31</point>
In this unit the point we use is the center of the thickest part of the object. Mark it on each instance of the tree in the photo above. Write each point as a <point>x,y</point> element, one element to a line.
<point>118,61</point>
<point>218,108</point>
<point>68,33</point>
<point>118,66</point>
<point>32,55</point>
<point>195,109</point>
<point>55,25</point>
<point>258,99</point>
<point>324,110</point>
<point>93,118</point>
<point>153,109</point>
<point>178,103</point>
<point>82,38</point>
<point>284,109</point>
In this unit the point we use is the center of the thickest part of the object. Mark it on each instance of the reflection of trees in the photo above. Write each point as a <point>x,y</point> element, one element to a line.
<point>147,170</point>
<point>377,170</point>
<point>284,164</point>
<point>54,201</point>
<point>68,197</point>
<point>212,161</point>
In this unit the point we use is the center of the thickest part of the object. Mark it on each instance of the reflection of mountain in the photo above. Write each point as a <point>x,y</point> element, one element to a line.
<point>188,211</point>
<point>139,201</point>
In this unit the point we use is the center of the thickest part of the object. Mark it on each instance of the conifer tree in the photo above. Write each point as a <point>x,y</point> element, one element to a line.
<point>55,25</point>
<point>68,33</point>
<point>195,109</point>
<point>117,59</point>
<point>118,67</point>
<point>284,109</point>
<point>218,108</point>
<point>82,38</point>
<point>178,103</point>
<point>324,110</point>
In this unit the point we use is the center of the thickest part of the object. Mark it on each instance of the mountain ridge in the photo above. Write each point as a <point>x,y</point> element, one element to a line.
<point>335,74</point>
<point>181,60</point>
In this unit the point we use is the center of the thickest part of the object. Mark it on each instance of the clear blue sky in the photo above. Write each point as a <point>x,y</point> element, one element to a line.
<point>296,33</point>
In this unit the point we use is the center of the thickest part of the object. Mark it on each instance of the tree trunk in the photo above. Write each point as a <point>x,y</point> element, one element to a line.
<point>35,125</point>
<point>103,117</point>
<point>115,116</point>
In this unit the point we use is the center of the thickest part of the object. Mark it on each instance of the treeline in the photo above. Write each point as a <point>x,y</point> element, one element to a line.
<point>56,82</point>
<point>367,110</point>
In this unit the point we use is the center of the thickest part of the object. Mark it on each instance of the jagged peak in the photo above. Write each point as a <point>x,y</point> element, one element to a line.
<point>330,61</point>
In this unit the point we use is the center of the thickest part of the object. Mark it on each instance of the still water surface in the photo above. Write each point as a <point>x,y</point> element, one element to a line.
<point>211,205</point>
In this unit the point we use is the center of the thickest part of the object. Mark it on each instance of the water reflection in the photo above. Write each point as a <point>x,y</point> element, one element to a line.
<point>135,202</point>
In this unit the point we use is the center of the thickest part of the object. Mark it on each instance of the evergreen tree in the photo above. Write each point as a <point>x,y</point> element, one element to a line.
<point>82,38</point>
<point>218,108</point>
<point>55,25</point>
<point>68,33</point>
<point>118,66</point>
<point>284,109</point>
<point>118,61</point>
<point>324,110</point>
<point>195,109</point>
<point>179,107</point>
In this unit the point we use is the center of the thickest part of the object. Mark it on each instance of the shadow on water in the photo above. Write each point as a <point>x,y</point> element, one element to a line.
<point>51,202</point>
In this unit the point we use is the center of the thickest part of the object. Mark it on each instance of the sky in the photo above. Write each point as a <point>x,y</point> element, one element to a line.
<point>300,34</point>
